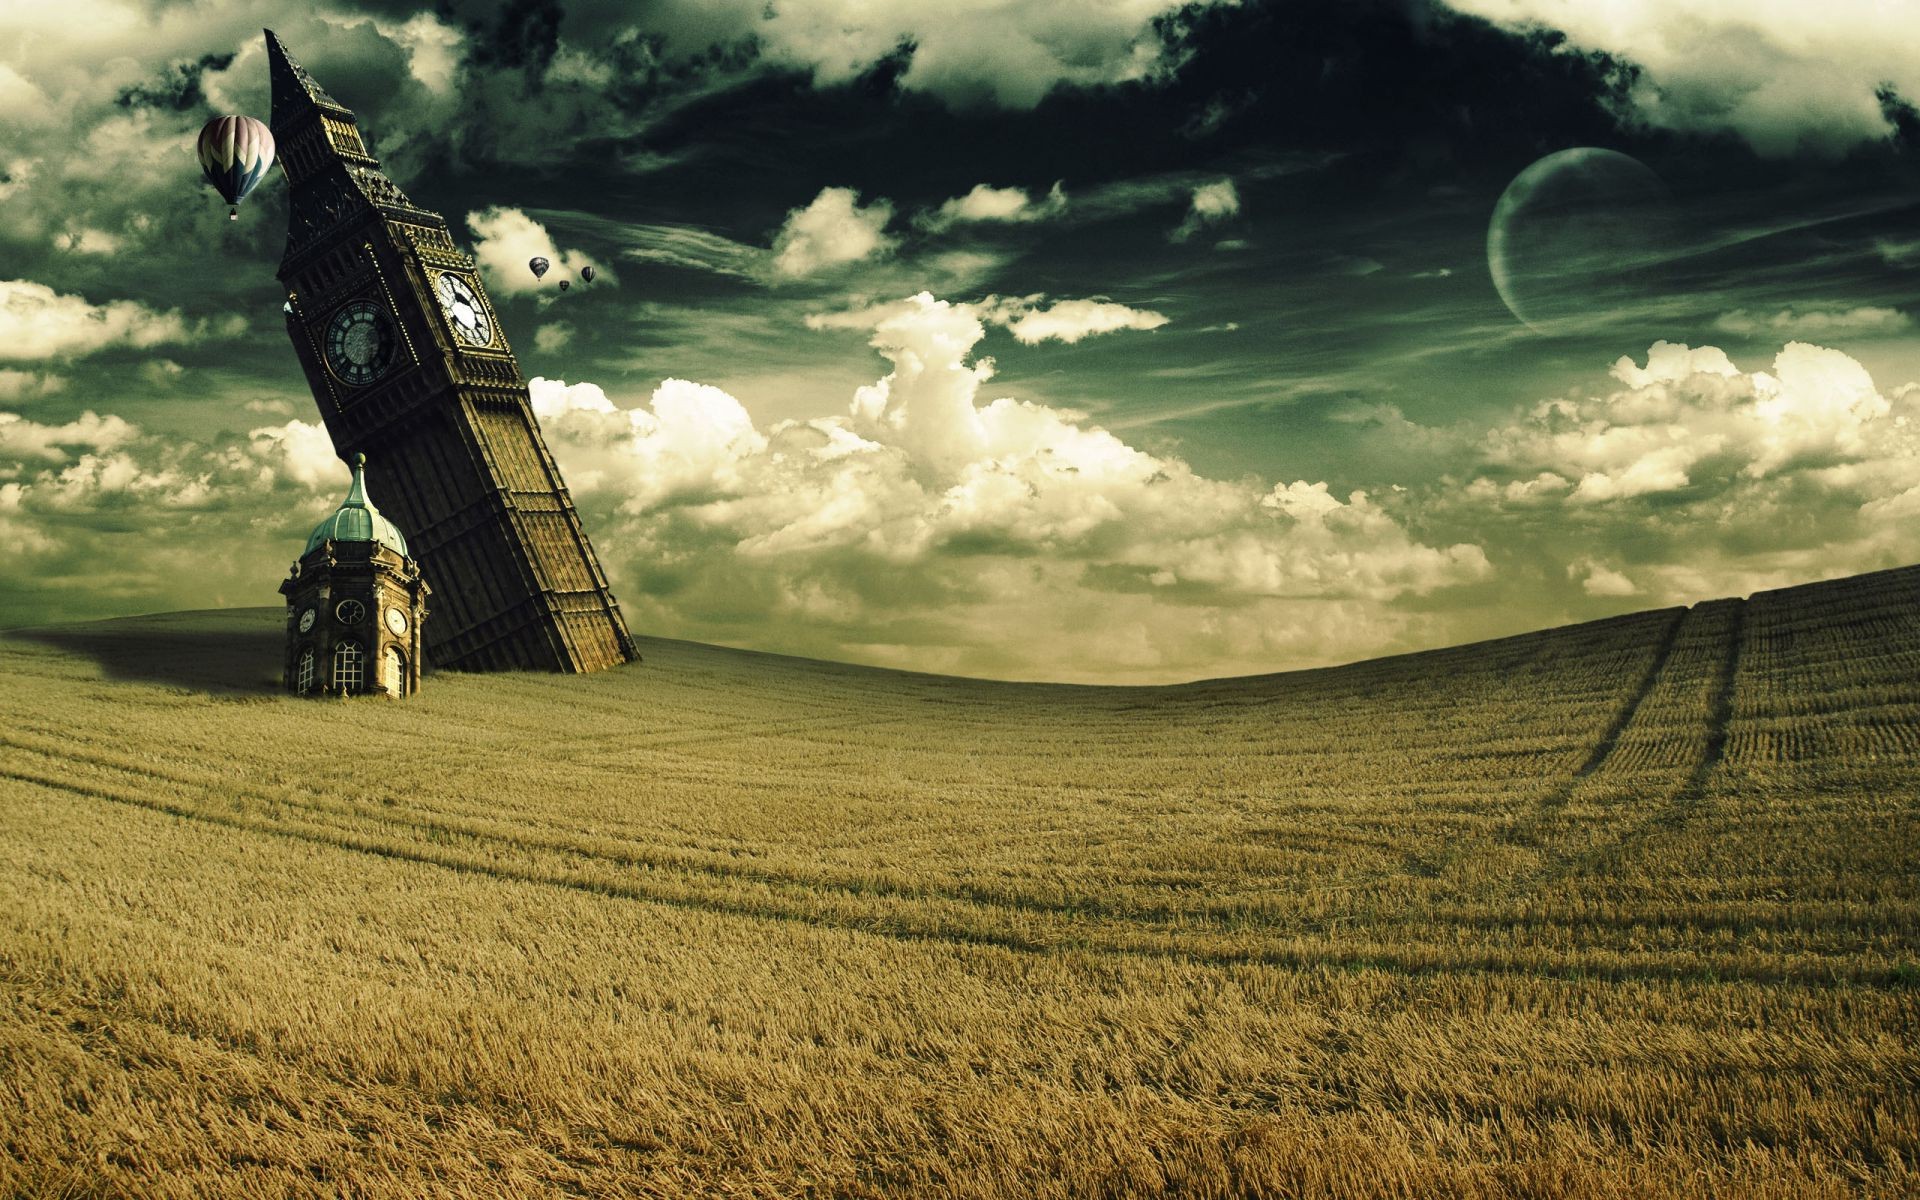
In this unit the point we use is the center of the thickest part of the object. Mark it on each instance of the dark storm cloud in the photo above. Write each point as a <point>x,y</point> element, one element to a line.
<point>525,35</point>
<point>178,90</point>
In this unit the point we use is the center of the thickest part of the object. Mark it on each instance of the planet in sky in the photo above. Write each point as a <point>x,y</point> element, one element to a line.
<point>1582,238</point>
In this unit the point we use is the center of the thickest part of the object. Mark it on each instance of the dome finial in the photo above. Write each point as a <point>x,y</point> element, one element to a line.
<point>359,460</point>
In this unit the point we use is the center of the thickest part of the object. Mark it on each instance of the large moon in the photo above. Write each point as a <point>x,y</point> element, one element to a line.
<point>1581,237</point>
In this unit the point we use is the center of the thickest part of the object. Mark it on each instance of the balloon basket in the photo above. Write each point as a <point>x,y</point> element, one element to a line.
<point>233,214</point>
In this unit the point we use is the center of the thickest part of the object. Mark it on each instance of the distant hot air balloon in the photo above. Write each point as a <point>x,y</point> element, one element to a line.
<point>563,285</point>
<point>235,153</point>
<point>586,273</point>
<point>538,266</point>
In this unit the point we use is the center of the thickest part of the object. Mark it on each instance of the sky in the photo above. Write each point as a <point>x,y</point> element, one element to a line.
<point>1094,340</point>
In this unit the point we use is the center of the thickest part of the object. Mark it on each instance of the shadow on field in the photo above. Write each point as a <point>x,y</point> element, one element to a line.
<point>225,656</point>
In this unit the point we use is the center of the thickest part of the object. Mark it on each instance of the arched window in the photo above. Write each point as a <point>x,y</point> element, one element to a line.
<point>349,666</point>
<point>396,672</point>
<point>303,674</point>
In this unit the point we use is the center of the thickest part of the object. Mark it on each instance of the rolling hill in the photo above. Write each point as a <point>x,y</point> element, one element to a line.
<point>1625,908</point>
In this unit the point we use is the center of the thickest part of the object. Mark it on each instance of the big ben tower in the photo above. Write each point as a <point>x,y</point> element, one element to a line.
<point>410,368</point>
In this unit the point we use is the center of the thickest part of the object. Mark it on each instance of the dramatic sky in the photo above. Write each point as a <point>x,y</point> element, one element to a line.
<point>1109,340</point>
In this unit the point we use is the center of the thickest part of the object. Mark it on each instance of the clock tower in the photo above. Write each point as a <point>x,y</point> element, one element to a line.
<point>410,367</point>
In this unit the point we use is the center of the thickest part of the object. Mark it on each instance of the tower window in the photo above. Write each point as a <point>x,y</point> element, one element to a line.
<point>349,666</point>
<point>303,674</point>
<point>396,671</point>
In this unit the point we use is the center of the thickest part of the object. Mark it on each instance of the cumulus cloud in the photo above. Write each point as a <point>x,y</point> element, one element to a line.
<point>97,514</point>
<point>23,440</point>
<point>1598,579</point>
<point>987,204</point>
<point>1211,203</point>
<point>1031,322</point>
<point>37,322</point>
<point>506,238</point>
<point>831,231</point>
<point>1690,418</point>
<point>913,527</point>
<point>1783,74</point>
<point>1714,480</point>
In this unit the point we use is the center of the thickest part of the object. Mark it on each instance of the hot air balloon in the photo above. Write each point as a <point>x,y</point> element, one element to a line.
<point>586,273</point>
<point>537,265</point>
<point>235,153</point>
<point>563,285</point>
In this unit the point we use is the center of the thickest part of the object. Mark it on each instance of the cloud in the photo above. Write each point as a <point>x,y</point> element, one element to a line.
<point>987,204</point>
<point>1065,320</point>
<point>37,322</point>
<point>832,231</point>
<point>1211,203</point>
<point>1784,75</point>
<point>98,516</point>
<point>965,51</point>
<point>693,249</point>
<point>506,238</point>
<point>1598,579</point>
<point>24,440</point>
<point>1865,321</point>
<point>915,525</point>
<point>1691,419</point>
<point>29,385</point>
<point>1712,480</point>
<point>301,451</point>
<point>552,336</point>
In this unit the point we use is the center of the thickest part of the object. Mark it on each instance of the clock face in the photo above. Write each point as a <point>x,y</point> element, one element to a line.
<point>350,612</point>
<point>361,341</point>
<point>464,310</point>
<point>396,621</point>
<point>307,619</point>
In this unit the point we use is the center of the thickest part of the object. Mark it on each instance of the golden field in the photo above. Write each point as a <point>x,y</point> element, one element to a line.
<point>1623,909</point>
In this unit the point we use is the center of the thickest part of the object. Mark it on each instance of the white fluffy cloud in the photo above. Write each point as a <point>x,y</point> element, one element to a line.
<point>1690,418</point>
<point>37,322</point>
<point>911,528</point>
<point>1598,579</point>
<point>831,231</point>
<point>23,441</point>
<point>1031,322</point>
<point>1211,203</point>
<point>506,238</point>
<point>987,204</point>
<point>1783,74</point>
<point>1709,479</point>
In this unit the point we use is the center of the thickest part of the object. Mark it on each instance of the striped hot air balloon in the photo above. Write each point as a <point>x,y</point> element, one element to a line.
<point>235,153</point>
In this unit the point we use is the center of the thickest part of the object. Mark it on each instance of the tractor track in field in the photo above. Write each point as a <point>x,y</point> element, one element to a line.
<point>1412,959</point>
<point>1622,719</point>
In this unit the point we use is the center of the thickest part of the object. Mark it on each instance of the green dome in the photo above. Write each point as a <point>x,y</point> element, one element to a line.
<point>357,520</point>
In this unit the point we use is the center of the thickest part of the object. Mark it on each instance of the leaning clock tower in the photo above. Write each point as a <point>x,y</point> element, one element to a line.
<point>409,366</point>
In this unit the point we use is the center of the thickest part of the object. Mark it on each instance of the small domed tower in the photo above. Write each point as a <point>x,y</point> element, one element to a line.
<point>355,604</point>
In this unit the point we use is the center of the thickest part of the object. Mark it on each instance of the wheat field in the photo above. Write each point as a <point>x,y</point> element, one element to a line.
<point>1623,909</point>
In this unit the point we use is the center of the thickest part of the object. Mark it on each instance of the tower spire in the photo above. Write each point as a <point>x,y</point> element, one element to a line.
<point>295,94</point>
<point>332,177</point>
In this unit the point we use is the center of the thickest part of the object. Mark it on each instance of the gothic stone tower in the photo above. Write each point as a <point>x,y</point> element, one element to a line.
<point>356,604</point>
<point>408,364</point>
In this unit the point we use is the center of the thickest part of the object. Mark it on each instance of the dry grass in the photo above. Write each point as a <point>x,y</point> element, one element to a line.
<point>1622,909</point>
